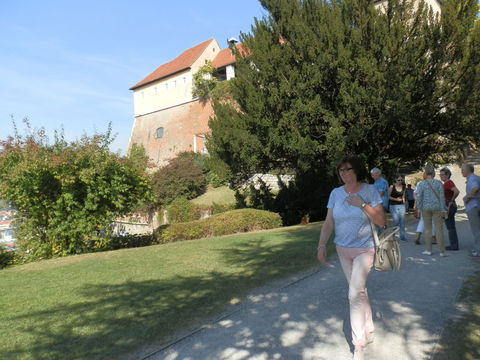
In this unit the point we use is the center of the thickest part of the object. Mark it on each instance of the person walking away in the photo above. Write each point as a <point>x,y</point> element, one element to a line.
<point>397,198</point>
<point>349,208</point>
<point>451,193</point>
<point>410,197</point>
<point>381,185</point>
<point>431,204</point>
<point>472,205</point>
<point>420,225</point>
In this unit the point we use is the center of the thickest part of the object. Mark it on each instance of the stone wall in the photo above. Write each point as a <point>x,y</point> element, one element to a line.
<point>181,124</point>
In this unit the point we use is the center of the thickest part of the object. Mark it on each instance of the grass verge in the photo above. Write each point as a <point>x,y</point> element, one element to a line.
<point>461,338</point>
<point>221,195</point>
<point>103,305</point>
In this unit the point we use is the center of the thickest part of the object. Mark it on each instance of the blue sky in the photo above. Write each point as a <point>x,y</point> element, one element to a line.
<point>71,63</point>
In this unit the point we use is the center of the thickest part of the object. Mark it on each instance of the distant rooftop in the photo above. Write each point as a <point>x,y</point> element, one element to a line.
<point>186,59</point>
<point>181,62</point>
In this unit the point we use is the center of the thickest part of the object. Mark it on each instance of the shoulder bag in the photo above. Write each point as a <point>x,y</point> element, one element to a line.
<point>387,249</point>
<point>431,187</point>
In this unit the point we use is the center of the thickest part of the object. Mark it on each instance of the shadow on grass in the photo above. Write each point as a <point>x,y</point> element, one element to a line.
<point>111,320</point>
<point>461,338</point>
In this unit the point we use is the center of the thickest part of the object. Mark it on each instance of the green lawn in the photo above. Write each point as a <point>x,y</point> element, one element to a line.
<point>98,306</point>
<point>221,195</point>
<point>461,339</point>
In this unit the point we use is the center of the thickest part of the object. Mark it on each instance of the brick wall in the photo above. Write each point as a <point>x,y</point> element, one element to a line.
<point>180,124</point>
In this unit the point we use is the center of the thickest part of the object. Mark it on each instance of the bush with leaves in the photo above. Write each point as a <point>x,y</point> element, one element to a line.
<point>66,194</point>
<point>221,208</point>
<point>181,177</point>
<point>230,222</point>
<point>114,242</point>
<point>7,257</point>
<point>182,210</point>
<point>204,82</point>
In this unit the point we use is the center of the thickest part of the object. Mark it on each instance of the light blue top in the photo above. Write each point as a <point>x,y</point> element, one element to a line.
<point>352,226</point>
<point>382,185</point>
<point>473,181</point>
<point>426,198</point>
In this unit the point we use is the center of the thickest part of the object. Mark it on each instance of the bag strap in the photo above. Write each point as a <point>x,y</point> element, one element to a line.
<point>375,233</point>
<point>431,187</point>
<point>372,226</point>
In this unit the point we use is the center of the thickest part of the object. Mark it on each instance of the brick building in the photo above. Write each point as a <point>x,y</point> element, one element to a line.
<point>168,119</point>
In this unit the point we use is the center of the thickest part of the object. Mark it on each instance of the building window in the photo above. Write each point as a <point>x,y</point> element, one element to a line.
<point>174,83</point>
<point>166,86</point>
<point>155,90</point>
<point>184,79</point>
<point>220,74</point>
<point>159,133</point>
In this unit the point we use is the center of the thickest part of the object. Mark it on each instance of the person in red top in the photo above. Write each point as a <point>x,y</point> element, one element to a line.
<point>451,193</point>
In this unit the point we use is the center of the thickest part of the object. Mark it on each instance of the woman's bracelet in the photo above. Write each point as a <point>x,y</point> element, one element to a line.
<point>321,247</point>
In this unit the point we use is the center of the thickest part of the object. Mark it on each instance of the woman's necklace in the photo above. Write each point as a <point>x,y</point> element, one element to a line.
<point>354,189</point>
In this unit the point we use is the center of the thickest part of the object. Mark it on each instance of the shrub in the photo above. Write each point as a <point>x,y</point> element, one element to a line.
<point>64,192</point>
<point>221,208</point>
<point>121,242</point>
<point>215,180</point>
<point>182,177</point>
<point>203,161</point>
<point>235,221</point>
<point>182,210</point>
<point>6,257</point>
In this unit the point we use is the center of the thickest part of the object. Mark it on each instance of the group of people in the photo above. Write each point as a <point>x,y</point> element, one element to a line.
<point>352,206</point>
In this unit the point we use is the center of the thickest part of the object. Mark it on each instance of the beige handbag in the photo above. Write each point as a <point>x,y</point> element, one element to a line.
<point>387,249</point>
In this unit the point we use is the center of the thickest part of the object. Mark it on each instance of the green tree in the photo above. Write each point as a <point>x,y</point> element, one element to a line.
<point>181,177</point>
<point>139,158</point>
<point>204,81</point>
<point>67,193</point>
<point>320,78</point>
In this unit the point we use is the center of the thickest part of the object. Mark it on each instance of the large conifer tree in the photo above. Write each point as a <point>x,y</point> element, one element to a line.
<point>319,78</point>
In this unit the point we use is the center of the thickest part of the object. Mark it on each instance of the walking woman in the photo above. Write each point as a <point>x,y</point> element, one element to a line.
<point>431,203</point>
<point>397,197</point>
<point>349,208</point>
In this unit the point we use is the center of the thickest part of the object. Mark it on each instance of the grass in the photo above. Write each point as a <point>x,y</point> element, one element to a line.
<point>461,338</point>
<point>100,306</point>
<point>221,195</point>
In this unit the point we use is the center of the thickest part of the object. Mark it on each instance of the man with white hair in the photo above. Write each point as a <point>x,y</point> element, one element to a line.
<point>472,205</point>
<point>381,185</point>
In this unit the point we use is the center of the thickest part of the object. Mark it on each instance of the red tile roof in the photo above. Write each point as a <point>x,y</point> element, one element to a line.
<point>225,56</point>
<point>181,62</point>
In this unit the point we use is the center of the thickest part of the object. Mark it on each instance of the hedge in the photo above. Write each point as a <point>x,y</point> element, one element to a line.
<point>230,222</point>
<point>7,257</point>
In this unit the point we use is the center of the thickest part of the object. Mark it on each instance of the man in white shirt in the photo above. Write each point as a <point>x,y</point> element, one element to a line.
<point>472,205</point>
<point>381,185</point>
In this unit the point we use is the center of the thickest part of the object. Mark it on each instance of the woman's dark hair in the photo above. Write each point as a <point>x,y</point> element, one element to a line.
<point>358,166</point>
<point>446,171</point>
<point>398,176</point>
